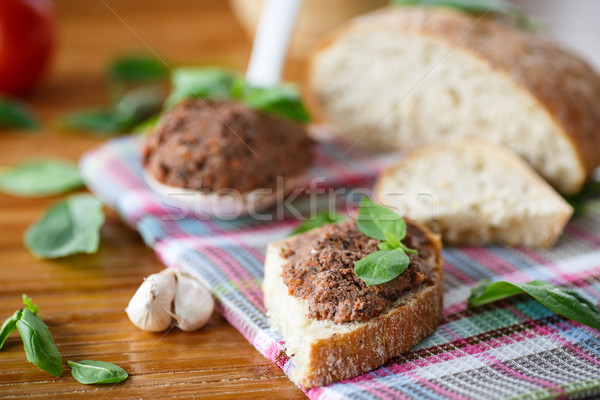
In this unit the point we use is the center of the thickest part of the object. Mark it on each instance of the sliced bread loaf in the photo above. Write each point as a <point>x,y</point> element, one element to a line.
<point>407,76</point>
<point>475,193</point>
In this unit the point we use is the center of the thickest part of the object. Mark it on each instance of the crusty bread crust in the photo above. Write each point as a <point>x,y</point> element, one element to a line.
<point>515,165</point>
<point>346,350</point>
<point>562,83</point>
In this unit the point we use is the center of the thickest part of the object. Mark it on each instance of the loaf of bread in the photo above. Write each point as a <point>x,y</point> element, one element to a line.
<point>324,351</point>
<point>475,193</point>
<point>403,77</point>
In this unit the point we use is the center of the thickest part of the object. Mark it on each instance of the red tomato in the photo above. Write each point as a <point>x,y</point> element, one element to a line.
<point>26,43</point>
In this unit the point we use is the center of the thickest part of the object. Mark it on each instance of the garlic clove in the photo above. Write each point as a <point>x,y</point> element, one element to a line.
<point>150,307</point>
<point>193,303</point>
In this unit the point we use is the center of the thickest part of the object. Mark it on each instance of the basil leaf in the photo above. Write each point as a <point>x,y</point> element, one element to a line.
<point>29,304</point>
<point>319,220</point>
<point>9,326</point>
<point>38,344</point>
<point>475,6</point>
<point>381,266</point>
<point>137,69</point>
<point>579,201</point>
<point>283,101</point>
<point>15,114</point>
<point>40,178</point>
<point>90,372</point>
<point>566,302</point>
<point>385,246</point>
<point>147,125</point>
<point>70,227</point>
<point>218,83</point>
<point>211,83</point>
<point>93,120</point>
<point>375,220</point>
<point>135,106</point>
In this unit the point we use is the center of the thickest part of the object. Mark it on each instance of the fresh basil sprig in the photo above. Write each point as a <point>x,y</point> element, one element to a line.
<point>476,6</point>
<point>40,178</point>
<point>72,226</point>
<point>92,372</point>
<point>133,107</point>
<point>391,260</point>
<point>40,349</point>
<point>37,341</point>
<point>566,302</point>
<point>317,221</point>
<point>29,305</point>
<point>16,114</point>
<point>9,326</point>
<point>221,84</point>
<point>281,100</point>
<point>137,69</point>
<point>137,87</point>
<point>208,83</point>
<point>38,344</point>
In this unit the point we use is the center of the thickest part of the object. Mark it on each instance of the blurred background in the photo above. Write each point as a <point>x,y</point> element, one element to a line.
<point>90,33</point>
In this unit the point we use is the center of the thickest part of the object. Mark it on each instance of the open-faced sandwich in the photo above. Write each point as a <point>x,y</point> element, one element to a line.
<point>349,296</point>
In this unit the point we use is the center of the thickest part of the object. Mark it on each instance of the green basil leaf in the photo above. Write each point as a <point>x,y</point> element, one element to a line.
<point>146,126</point>
<point>476,6</point>
<point>29,304</point>
<point>217,84</point>
<point>38,344</point>
<point>135,105</point>
<point>40,178</point>
<point>375,220</point>
<point>385,246</point>
<point>487,292</point>
<point>381,266</point>
<point>319,220</point>
<point>210,83</point>
<point>90,372</point>
<point>70,227</point>
<point>579,201</point>
<point>566,302</point>
<point>137,70</point>
<point>15,114</point>
<point>9,326</point>
<point>96,120</point>
<point>283,101</point>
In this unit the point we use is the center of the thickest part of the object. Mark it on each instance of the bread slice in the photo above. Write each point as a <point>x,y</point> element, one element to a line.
<point>403,77</point>
<point>323,351</point>
<point>475,193</point>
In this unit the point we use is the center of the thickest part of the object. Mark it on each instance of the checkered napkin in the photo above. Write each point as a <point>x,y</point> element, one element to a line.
<point>510,349</point>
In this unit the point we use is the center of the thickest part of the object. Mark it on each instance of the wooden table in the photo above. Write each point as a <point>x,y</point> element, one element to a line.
<point>82,298</point>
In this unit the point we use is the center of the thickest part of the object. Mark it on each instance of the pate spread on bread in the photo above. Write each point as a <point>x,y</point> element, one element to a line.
<point>334,325</point>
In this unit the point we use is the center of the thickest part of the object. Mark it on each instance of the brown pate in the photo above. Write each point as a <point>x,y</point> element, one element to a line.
<point>206,145</point>
<point>320,269</point>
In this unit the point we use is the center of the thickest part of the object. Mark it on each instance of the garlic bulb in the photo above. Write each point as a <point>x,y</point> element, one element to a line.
<point>193,303</point>
<point>150,307</point>
<point>167,297</point>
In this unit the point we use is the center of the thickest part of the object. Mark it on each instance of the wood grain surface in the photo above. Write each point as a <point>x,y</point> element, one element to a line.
<point>82,298</point>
